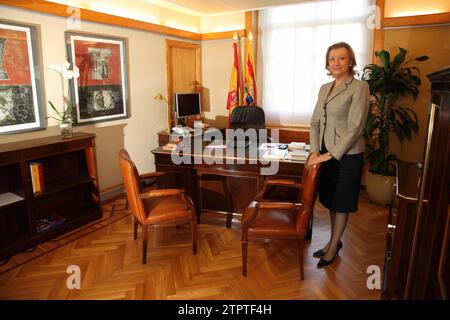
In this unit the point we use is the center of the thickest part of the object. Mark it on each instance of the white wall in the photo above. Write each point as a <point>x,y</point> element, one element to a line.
<point>223,22</point>
<point>147,76</point>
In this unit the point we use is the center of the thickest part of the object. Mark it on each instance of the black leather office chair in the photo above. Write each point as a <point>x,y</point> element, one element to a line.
<point>248,117</point>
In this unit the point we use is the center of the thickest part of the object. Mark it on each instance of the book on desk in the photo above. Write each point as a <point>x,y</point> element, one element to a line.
<point>299,155</point>
<point>297,151</point>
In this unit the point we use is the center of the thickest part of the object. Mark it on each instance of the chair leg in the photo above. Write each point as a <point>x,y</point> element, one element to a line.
<point>300,259</point>
<point>144,246</point>
<point>229,220</point>
<point>309,232</point>
<point>244,258</point>
<point>135,228</point>
<point>194,237</point>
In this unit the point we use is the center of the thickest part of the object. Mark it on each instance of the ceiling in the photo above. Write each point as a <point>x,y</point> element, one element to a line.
<point>216,7</point>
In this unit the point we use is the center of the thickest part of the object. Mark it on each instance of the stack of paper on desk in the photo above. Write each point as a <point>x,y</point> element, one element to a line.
<point>296,145</point>
<point>274,154</point>
<point>297,155</point>
<point>266,146</point>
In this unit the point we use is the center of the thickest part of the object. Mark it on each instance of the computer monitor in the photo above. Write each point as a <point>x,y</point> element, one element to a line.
<point>187,104</point>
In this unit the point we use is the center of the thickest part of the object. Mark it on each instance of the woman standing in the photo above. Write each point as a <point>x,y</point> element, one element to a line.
<point>336,140</point>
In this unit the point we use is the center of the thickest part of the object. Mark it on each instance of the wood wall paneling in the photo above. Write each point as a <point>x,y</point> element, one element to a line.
<point>420,20</point>
<point>223,35</point>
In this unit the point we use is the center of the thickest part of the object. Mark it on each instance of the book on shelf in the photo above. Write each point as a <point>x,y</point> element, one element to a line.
<point>8,198</point>
<point>49,222</point>
<point>37,176</point>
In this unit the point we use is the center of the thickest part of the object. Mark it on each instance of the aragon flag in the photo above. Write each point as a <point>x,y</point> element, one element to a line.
<point>234,91</point>
<point>249,77</point>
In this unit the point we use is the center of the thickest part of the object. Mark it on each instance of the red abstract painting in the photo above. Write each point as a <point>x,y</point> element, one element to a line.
<point>101,91</point>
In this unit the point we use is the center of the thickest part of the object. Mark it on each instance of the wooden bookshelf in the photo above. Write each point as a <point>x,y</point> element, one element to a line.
<point>70,189</point>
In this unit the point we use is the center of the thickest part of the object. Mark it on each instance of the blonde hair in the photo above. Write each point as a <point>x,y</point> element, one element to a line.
<point>351,55</point>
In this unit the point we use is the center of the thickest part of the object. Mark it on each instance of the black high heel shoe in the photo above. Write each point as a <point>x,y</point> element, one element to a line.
<point>322,262</point>
<point>320,253</point>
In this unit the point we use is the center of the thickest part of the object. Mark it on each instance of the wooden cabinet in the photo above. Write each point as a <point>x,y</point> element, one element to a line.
<point>400,230</point>
<point>419,265</point>
<point>429,270</point>
<point>69,193</point>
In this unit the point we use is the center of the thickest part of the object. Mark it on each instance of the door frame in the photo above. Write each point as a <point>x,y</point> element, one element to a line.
<point>170,45</point>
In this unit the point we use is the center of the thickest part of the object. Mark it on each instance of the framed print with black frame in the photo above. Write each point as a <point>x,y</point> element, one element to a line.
<point>101,91</point>
<point>21,97</point>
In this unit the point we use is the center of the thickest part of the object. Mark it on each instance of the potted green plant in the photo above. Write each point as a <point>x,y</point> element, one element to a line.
<point>388,81</point>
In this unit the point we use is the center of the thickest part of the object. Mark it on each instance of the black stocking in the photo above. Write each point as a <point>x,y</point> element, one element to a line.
<point>332,217</point>
<point>340,222</point>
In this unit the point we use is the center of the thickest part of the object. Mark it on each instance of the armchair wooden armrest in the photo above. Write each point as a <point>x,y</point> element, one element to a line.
<point>283,182</point>
<point>277,205</point>
<point>149,175</point>
<point>161,193</point>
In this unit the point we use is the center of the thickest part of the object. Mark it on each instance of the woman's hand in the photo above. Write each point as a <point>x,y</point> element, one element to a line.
<point>312,157</point>
<point>319,158</point>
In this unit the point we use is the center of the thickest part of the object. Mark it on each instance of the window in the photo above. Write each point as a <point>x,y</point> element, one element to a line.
<point>294,40</point>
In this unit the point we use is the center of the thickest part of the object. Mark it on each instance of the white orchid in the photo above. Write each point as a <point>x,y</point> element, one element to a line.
<point>69,72</point>
<point>66,71</point>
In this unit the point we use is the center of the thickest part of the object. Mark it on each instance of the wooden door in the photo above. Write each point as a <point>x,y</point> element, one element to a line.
<point>183,72</point>
<point>429,268</point>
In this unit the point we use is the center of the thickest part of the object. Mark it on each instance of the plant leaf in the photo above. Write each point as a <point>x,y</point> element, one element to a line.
<point>422,58</point>
<point>53,107</point>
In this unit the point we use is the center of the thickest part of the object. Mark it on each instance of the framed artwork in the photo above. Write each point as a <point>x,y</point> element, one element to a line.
<point>21,100</point>
<point>100,93</point>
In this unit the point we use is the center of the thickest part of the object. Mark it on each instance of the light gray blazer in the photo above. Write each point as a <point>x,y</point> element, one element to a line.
<point>339,118</point>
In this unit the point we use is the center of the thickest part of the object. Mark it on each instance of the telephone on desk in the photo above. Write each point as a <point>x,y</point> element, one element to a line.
<point>182,130</point>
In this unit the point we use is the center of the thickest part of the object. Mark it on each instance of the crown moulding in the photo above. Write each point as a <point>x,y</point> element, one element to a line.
<point>62,10</point>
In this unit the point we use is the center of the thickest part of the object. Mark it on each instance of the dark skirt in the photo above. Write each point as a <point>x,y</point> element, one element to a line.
<point>340,182</point>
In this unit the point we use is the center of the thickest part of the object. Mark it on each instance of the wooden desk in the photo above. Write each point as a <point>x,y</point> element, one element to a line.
<point>222,191</point>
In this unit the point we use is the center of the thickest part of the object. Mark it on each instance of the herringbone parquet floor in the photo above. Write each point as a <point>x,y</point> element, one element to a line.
<point>111,268</point>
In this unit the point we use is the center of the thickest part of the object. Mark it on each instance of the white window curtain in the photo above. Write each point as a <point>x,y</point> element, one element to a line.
<point>293,42</point>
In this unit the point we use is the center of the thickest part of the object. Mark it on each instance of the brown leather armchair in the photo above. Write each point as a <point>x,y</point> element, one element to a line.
<point>265,220</point>
<point>164,207</point>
